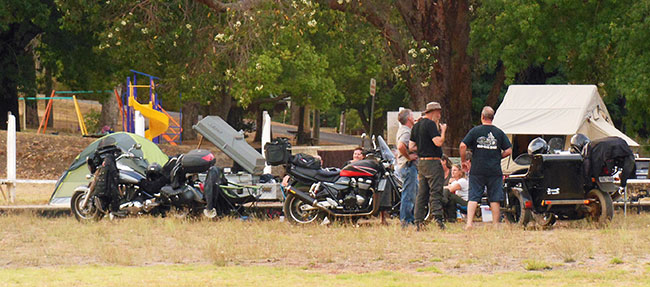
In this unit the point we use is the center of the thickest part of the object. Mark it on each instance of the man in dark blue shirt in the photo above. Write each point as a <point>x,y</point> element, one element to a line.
<point>489,145</point>
<point>427,141</point>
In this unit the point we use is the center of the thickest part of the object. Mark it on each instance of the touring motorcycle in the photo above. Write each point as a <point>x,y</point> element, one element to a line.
<point>357,190</point>
<point>554,187</point>
<point>123,184</point>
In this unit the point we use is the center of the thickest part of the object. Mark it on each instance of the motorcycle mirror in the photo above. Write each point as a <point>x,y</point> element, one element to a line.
<point>555,144</point>
<point>137,146</point>
<point>374,145</point>
<point>524,159</point>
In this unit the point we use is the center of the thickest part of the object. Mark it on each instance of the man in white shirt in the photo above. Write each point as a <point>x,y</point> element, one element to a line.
<point>407,168</point>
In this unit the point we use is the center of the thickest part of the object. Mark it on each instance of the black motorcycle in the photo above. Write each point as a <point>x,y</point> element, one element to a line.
<point>358,190</point>
<point>554,187</point>
<point>123,184</point>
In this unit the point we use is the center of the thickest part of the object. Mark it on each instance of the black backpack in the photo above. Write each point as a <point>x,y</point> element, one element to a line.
<point>278,151</point>
<point>306,161</point>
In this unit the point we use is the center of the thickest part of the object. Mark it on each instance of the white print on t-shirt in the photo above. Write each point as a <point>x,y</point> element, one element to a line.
<point>487,143</point>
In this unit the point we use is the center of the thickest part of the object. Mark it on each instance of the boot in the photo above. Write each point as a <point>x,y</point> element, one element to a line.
<point>441,223</point>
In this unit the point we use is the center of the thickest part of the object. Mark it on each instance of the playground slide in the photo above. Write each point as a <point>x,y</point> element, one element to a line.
<point>158,121</point>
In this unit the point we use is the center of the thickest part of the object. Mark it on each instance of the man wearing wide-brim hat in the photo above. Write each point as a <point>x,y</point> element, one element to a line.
<point>427,138</point>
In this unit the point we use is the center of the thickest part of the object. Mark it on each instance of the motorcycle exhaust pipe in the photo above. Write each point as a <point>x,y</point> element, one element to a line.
<point>309,200</point>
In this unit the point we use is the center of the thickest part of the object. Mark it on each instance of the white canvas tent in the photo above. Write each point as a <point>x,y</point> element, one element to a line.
<point>561,111</point>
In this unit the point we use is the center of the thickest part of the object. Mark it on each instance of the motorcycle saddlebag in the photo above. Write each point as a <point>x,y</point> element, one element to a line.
<point>197,161</point>
<point>278,151</point>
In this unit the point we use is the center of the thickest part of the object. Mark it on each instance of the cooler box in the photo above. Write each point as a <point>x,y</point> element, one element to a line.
<point>486,213</point>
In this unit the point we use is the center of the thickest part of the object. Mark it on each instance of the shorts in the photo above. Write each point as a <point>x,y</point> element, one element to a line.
<point>494,184</point>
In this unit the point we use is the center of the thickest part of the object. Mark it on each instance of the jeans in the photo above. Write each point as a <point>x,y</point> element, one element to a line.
<point>431,179</point>
<point>409,175</point>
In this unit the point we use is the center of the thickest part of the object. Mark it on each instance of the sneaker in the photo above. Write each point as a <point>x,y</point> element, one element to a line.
<point>210,213</point>
<point>116,214</point>
<point>326,221</point>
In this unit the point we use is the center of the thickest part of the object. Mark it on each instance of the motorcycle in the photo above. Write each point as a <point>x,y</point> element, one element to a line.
<point>356,191</point>
<point>139,188</point>
<point>553,187</point>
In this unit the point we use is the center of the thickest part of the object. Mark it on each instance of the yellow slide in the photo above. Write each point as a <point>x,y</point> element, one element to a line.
<point>158,122</point>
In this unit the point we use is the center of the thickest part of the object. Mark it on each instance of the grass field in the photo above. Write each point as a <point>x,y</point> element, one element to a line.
<point>237,252</point>
<point>210,275</point>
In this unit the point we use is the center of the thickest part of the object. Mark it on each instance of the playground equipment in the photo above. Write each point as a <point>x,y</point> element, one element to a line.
<point>159,119</point>
<point>62,117</point>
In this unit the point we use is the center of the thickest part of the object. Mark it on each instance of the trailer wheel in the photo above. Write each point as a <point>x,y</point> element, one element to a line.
<point>601,208</point>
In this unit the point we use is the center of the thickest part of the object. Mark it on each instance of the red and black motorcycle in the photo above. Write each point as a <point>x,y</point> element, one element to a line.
<point>360,189</point>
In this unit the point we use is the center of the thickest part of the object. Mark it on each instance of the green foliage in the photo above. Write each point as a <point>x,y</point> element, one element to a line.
<point>536,265</point>
<point>91,119</point>
<point>587,42</point>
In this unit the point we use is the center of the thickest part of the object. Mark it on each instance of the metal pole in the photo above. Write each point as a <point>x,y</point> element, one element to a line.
<point>625,201</point>
<point>372,115</point>
<point>11,156</point>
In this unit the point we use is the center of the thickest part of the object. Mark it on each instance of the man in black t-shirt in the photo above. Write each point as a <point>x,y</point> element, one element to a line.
<point>427,141</point>
<point>489,145</point>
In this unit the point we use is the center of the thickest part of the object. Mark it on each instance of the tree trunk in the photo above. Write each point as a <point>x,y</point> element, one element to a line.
<point>190,118</point>
<point>221,106</point>
<point>303,132</point>
<point>31,113</point>
<point>499,79</point>
<point>9,95</point>
<point>259,123</point>
<point>443,24</point>
<point>110,112</point>
<point>315,135</point>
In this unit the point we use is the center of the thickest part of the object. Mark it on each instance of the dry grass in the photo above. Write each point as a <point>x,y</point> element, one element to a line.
<point>210,275</point>
<point>29,240</point>
<point>31,193</point>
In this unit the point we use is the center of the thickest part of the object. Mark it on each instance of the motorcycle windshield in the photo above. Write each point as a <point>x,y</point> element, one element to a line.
<point>386,153</point>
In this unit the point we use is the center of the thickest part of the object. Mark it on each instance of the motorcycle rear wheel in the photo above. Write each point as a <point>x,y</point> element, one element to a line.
<point>91,213</point>
<point>294,214</point>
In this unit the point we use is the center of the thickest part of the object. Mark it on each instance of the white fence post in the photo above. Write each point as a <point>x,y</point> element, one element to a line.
<point>266,137</point>
<point>11,156</point>
<point>139,124</point>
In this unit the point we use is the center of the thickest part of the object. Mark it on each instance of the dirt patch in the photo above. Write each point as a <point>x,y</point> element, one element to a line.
<point>45,156</point>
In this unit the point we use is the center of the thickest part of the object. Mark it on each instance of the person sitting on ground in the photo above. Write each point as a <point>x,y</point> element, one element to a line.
<point>457,192</point>
<point>446,167</point>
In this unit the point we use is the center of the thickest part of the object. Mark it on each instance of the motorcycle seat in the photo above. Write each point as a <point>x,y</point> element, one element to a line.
<point>316,174</point>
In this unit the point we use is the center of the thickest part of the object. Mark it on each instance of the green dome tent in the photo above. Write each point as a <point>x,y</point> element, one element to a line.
<point>76,173</point>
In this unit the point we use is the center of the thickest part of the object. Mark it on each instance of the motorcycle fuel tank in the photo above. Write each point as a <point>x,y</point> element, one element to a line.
<point>363,168</point>
<point>127,176</point>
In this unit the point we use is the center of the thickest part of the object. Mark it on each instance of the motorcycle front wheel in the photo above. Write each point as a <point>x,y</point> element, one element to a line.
<point>298,212</point>
<point>89,213</point>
